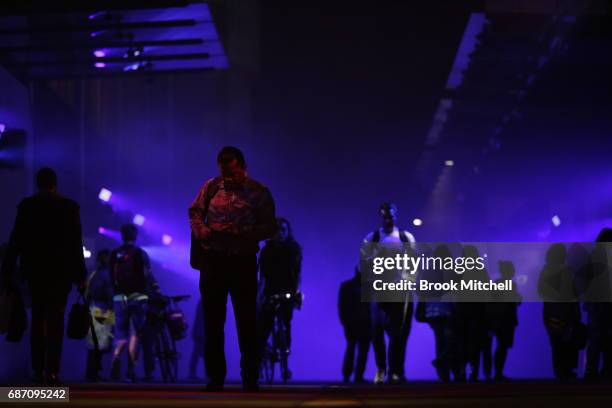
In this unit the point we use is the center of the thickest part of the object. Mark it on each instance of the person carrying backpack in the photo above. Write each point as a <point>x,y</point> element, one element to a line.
<point>133,282</point>
<point>392,318</point>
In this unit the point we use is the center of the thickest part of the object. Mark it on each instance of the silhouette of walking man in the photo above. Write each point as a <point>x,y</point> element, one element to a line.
<point>47,241</point>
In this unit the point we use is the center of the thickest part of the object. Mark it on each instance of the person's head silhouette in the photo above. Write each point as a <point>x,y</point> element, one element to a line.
<point>231,164</point>
<point>388,215</point>
<point>129,233</point>
<point>46,180</point>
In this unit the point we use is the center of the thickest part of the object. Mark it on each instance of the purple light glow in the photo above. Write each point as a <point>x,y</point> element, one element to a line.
<point>95,15</point>
<point>115,235</point>
<point>105,195</point>
<point>139,220</point>
<point>166,239</point>
<point>100,65</point>
<point>99,53</point>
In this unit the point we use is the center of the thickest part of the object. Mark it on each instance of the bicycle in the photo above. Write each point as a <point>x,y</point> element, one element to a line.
<point>277,349</point>
<point>169,325</point>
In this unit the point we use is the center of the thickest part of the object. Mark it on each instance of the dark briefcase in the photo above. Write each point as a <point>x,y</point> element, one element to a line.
<point>78,320</point>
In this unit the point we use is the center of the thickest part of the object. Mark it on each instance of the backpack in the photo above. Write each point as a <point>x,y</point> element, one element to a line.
<point>129,270</point>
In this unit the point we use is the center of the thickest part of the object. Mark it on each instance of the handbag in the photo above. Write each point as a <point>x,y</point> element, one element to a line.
<point>18,318</point>
<point>5,311</point>
<point>79,320</point>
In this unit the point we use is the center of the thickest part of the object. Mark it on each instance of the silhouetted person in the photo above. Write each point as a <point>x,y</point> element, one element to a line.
<point>439,314</point>
<point>394,318</point>
<point>561,312</point>
<point>99,296</point>
<point>599,310</point>
<point>477,339</point>
<point>133,284</point>
<point>47,241</point>
<point>355,319</point>
<point>280,267</point>
<point>502,319</point>
<point>230,215</point>
<point>197,335</point>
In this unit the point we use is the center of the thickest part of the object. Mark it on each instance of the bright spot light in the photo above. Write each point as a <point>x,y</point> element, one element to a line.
<point>288,295</point>
<point>100,65</point>
<point>139,220</point>
<point>101,230</point>
<point>417,222</point>
<point>131,67</point>
<point>449,163</point>
<point>105,195</point>
<point>166,239</point>
<point>556,220</point>
<point>86,253</point>
<point>99,53</point>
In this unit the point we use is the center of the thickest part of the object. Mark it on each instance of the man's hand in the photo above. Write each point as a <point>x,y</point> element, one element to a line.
<point>227,229</point>
<point>203,232</point>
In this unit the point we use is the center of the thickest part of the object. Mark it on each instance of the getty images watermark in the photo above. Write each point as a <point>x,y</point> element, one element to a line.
<point>486,272</point>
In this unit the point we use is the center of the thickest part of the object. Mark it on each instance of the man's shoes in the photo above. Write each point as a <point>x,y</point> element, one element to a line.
<point>442,371</point>
<point>95,378</point>
<point>214,387</point>
<point>130,375</point>
<point>53,380</point>
<point>346,379</point>
<point>38,378</point>
<point>396,379</point>
<point>379,378</point>
<point>501,378</point>
<point>250,387</point>
<point>360,380</point>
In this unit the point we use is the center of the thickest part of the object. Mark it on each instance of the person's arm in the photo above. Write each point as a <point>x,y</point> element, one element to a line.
<point>80,277</point>
<point>298,267</point>
<point>263,265</point>
<point>87,291</point>
<point>265,215</point>
<point>343,304</point>
<point>197,216</point>
<point>14,248</point>
<point>411,240</point>
<point>152,285</point>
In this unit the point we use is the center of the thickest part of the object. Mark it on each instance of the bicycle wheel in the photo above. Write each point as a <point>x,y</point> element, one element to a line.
<point>161,357</point>
<point>169,364</point>
<point>173,359</point>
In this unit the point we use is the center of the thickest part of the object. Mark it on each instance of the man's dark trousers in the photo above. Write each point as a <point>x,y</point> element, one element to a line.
<point>47,335</point>
<point>236,275</point>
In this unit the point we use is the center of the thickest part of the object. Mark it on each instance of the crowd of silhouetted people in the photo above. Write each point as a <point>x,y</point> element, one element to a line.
<point>230,216</point>
<point>464,332</point>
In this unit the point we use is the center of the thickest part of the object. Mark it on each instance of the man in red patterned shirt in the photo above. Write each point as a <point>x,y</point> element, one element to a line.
<point>230,215</point>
